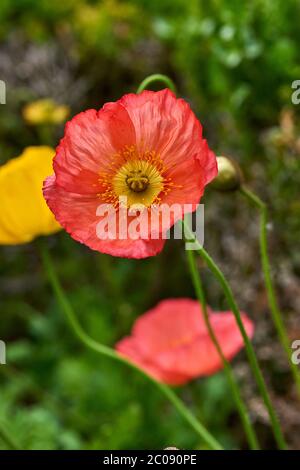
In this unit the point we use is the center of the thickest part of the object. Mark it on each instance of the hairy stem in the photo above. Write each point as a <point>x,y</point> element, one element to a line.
<point>248,427</point>
<point>216,271</point>
<point>275,311</point>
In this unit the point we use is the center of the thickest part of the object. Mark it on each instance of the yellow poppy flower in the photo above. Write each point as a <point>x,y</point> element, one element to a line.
<point>45,111</point>
<point>24,213</point>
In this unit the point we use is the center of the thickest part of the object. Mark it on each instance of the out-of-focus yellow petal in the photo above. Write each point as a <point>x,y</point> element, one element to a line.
<point>24,213</point>
<point>45,111</point>
<point>60,114</point>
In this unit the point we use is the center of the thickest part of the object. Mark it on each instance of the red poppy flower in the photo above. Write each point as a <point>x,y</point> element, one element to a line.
<point>147,148</point>
<point>171,341</point>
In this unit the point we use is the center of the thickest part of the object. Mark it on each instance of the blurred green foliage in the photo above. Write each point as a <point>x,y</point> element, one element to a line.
<point>57,395</point>
<point>235,63</point>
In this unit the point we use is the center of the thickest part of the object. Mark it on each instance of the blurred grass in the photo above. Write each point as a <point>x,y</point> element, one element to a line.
<point>55,394</point>
<point>235,64</point>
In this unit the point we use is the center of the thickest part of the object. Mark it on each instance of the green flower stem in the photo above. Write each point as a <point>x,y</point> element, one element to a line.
<point>249,430</point>
<point>231,301</point>
<point>7,438</point>
<point>108,352</point>
<point>275,311</point>
<point>248,345</point>
<point>157,77</point>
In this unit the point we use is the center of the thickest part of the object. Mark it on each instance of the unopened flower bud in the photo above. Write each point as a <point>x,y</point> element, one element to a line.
<point>229,175</point>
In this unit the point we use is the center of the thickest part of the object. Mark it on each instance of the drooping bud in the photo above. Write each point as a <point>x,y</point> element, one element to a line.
<point>229,175</point>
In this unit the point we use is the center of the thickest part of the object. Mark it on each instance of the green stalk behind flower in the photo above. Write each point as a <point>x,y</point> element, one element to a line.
<point>86,340</point>
<point>275,311</point>
<point>216,271</point>
<point>248,427</point>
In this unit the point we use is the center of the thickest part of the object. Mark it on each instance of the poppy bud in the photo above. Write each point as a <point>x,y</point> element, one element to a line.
<point>229,175</point>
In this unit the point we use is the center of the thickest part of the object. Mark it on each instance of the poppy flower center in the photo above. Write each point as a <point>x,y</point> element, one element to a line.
<point>140,177</point>
<point>137,181</point>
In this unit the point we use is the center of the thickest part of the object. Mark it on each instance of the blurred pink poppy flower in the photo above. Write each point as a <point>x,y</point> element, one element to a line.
<point>171,341</point>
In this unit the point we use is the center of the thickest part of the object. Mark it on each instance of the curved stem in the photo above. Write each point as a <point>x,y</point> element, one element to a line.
<point>249,430</point>
<point>157,77</point>
<point>108,352</point>
<point>248,345</point>
<point>7,438</point>
<point>275,311</point>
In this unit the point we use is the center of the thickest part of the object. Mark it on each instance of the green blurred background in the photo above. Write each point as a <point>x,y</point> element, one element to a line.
<point>235,63</point>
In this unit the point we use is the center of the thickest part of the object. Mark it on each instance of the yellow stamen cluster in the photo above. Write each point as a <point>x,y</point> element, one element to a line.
<point>138,176</point>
